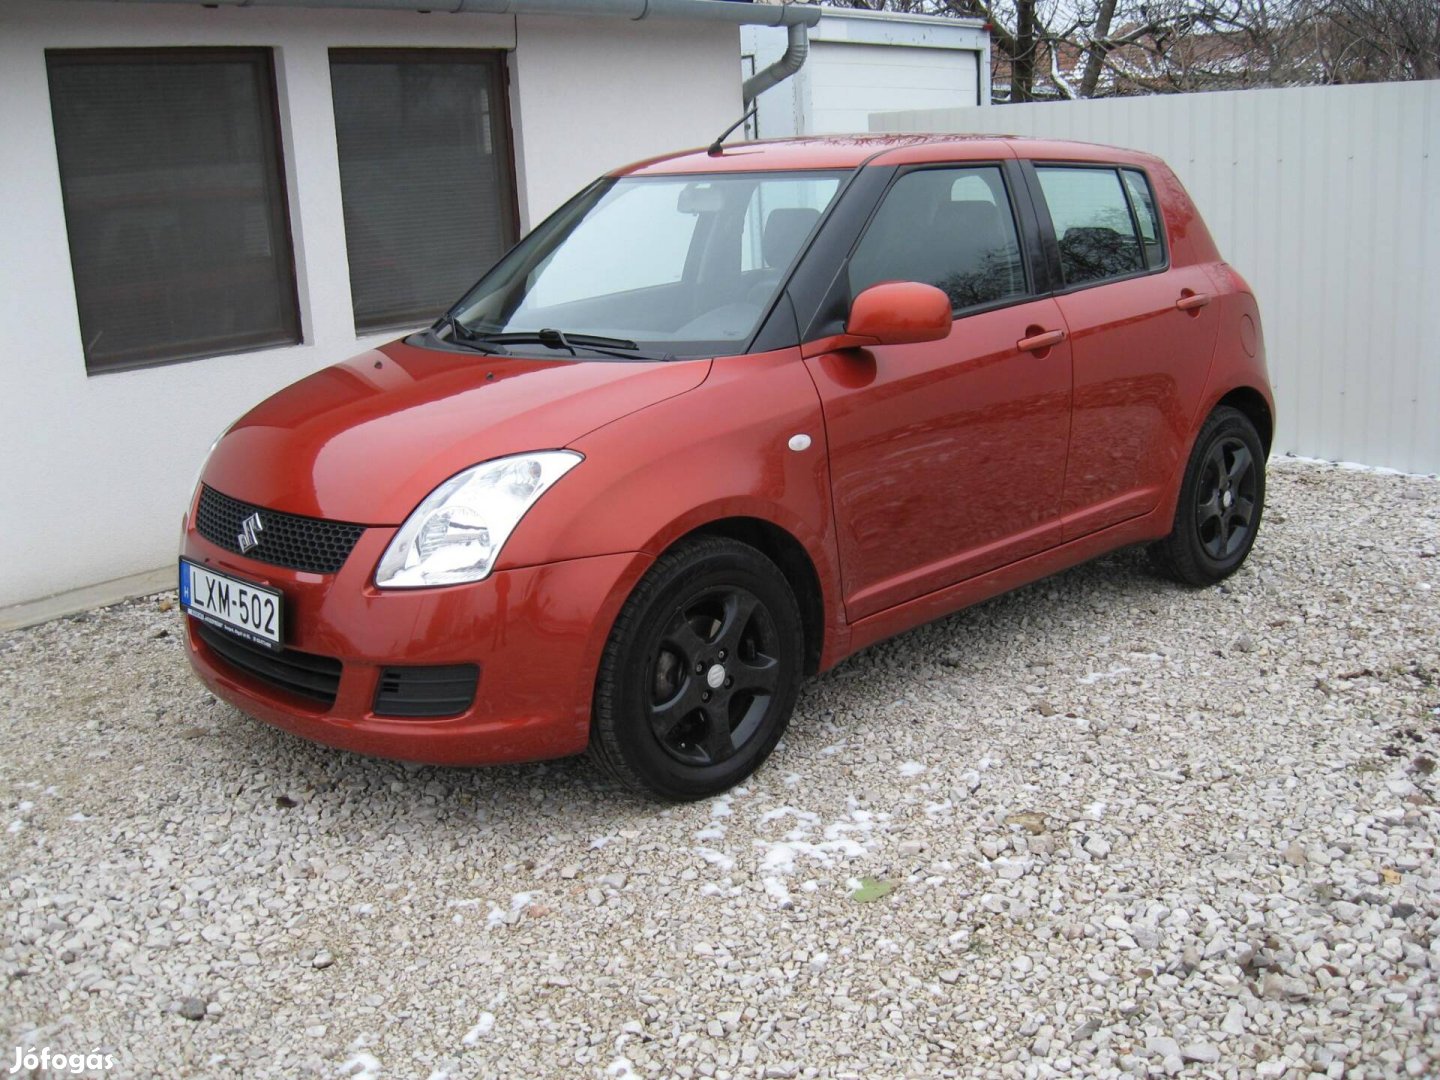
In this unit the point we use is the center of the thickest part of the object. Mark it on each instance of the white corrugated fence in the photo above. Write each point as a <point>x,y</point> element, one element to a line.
<point>1327,199</point>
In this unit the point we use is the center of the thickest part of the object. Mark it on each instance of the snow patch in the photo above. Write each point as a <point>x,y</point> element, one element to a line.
<point>498,916</point>
<point>361,1066</point>
<point>787,811</point>
<point>1351,466</point>
<point>716,858</point>
<point>1096,676</point>
<point>483,1027</point>
<point>776,890</point>
<point>838,841</point>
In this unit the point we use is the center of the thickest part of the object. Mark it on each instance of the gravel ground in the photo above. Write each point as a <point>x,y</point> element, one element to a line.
<point>1127,829</point>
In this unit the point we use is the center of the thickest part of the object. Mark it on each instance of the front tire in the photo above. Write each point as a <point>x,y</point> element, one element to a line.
<point>1222,498</point>
<point>700,674</point>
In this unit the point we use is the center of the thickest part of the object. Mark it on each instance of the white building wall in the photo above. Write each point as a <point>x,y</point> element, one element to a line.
<point>591,94</point>
<point>1327,199</point>
<point>862,62</point>
<point>848,82</point>
<point>97,468</point>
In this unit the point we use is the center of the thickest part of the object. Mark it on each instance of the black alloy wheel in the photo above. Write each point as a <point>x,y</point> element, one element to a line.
<point>715,675</point>
<point>1226,504</point>
<point>1222,498</point>
<point>700,673</point>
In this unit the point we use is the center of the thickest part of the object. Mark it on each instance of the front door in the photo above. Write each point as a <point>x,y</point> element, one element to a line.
<point>947,458</point>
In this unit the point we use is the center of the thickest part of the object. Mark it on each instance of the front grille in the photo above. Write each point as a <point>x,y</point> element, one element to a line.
<point>295,672</point>
<point>426,691</point>
<point>289,540</point>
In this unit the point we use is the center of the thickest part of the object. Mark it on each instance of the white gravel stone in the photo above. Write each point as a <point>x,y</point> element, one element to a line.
<point>1157,831</point>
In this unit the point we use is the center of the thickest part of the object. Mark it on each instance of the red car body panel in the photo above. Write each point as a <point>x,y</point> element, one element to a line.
<point>528,629</point>
<point>355,441</point>
<point>928,485</point>
<point>936,474</point>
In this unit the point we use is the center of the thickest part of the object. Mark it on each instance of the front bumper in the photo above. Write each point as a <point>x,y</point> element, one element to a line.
<point>536,634</point>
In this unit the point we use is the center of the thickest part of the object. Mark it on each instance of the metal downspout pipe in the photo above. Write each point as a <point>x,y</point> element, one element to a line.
<point>782,69</point>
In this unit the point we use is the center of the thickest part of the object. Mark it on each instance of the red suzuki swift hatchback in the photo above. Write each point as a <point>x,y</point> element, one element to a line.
<point>721,421</point>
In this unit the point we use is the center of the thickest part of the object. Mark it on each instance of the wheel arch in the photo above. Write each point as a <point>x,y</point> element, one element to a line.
<point>1256,408</point>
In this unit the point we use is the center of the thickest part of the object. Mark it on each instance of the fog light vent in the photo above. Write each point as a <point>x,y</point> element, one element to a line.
<point>426,691</point>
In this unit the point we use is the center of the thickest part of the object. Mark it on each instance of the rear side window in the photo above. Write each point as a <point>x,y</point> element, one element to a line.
<point>1093,223</point>
<point>951,228</point>
<point>1142,198</point>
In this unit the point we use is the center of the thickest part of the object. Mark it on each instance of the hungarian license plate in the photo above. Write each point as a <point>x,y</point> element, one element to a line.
<point>246,610</point>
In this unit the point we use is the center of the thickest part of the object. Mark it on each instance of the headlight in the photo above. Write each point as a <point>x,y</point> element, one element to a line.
<point>456,534</point>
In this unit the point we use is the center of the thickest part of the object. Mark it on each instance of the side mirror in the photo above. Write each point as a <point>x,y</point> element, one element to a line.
<point>891,313</point>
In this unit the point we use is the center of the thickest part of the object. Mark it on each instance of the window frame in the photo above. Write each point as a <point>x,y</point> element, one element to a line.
<point>1161,233</point>
<point>273,148</point>
<point>509,202</point>
<point>1052,242</point>
<point>1025,236</point>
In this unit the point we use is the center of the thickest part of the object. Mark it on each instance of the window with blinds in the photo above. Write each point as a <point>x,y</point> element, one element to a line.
<point>174,203</point>
<point>425,175</point>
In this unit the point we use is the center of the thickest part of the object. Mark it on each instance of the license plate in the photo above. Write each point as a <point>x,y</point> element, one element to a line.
<point>250,611</point>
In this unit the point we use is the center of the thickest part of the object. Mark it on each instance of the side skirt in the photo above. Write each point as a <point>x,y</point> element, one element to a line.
<point>947,601</point>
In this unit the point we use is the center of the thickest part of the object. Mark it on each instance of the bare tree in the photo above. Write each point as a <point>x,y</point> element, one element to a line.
<point>1058,49</point>
<point>1379,40</point>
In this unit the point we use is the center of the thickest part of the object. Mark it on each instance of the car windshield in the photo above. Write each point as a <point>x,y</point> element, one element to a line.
<point>668,265</point>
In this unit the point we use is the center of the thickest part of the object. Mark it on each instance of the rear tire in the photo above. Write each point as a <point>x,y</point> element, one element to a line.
<point>1222,498</point>
<point>700,674</point>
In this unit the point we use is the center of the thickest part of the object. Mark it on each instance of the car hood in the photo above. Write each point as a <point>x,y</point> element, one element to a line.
<point>366,440</point>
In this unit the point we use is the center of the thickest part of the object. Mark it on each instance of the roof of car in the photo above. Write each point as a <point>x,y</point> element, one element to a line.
<point>852,151</point>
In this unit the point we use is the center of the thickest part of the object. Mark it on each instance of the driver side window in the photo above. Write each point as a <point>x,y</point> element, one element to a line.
<point>951,228</point>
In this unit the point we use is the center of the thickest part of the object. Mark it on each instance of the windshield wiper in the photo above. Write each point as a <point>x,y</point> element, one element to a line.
<point>560,339</point>
<point>462,335</point>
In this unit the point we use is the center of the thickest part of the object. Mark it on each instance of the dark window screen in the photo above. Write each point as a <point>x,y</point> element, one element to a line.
<point>174,202</point>
<point>951,228</point>
<point>1093,223</point>
<point>425,175</point>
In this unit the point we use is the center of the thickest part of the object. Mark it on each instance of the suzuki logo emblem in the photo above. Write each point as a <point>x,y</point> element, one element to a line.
<point>250,530</point>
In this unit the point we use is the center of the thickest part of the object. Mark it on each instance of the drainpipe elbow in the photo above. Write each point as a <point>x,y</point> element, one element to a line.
<point>782,69</point>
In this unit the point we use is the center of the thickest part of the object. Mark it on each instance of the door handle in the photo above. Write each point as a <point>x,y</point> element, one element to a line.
<point>1037,342</point>
<point>1192,301</point>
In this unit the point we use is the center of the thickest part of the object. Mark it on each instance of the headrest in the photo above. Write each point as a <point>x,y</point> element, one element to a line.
<point>785,230</point>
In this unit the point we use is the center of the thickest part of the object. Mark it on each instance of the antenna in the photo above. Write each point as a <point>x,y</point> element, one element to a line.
<point>716,148</point>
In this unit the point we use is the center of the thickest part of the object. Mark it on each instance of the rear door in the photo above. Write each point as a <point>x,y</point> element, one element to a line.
<point>1142,334</point>
<point>947,458</point>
